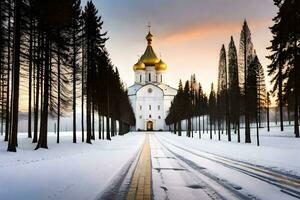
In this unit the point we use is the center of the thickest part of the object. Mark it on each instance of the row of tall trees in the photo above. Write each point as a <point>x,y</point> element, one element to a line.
<point>241,92</point>
<point>189,103</point>
<point>54,52</point>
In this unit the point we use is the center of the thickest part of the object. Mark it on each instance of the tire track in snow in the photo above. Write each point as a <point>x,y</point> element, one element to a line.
<point>214,185</point>
<point>287,184</point>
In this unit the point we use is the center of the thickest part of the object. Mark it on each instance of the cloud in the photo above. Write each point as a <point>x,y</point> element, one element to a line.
<point>209,30</point>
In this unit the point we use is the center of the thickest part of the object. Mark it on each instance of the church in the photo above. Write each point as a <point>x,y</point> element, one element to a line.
<point>150,97</point>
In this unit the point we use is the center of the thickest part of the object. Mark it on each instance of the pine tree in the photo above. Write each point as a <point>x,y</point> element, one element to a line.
<point>188,106</point>
<point>285,57</point>
<point>246,54</point>
<point>276,68</point>
<point>262,93</point>
<point>212,105</point>
<point>93,44</point>
<point>222,94</point>
<point>233,87</point>
<point>75,42</point>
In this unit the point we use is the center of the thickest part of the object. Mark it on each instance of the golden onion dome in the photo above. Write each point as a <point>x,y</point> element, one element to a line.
<point>149,57</point>
<point>161,66</point>
<point>149,38</point>
<point>139,66</point>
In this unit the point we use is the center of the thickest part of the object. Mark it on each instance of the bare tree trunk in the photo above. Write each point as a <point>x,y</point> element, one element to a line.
<point>8,113</point>
<point>42,142</point>
<point>99,124</point>
<point>107,129</point>
<point>30,76</point>
<point>103,128</point>
<point>88,119</point>
<point>12,140</point>
<point>58,93</point>
<point>74,87</point>
<point>37,93</point>
<point>280,95</point>
<point>296,109</point>
<point>93,122</point>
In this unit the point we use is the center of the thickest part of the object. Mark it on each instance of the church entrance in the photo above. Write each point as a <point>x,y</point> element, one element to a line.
<point>149,126</point>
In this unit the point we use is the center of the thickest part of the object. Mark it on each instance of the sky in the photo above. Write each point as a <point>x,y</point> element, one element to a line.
<point>188,34</point>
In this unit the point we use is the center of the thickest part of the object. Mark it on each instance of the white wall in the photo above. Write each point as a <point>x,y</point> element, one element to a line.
<point>143,100</point>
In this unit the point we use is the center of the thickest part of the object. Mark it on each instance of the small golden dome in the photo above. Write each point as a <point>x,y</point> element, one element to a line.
<point>139,66</point>
<point>161,66</point>
<point>149,38</point>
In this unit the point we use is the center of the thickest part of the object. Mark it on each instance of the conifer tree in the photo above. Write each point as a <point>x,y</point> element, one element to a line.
<point>212,106</point>
<point>233,87</point>
<point>93,45</point>
<point>246,54</point>
<point>285,56</point>
<point>75,43</point>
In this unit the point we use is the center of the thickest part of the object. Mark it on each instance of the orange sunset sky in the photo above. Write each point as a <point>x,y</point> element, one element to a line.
<point>188,34</point>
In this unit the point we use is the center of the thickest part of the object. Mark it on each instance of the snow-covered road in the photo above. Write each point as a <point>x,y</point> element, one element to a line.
<point>184,172</point>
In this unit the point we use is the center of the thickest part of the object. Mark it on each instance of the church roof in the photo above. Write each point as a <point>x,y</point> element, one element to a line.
<point>133,89</point>
<point>167,90</point>
<point>149,58</point>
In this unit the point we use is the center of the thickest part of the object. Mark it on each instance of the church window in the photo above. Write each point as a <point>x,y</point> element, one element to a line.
<point>149,107</point>
<point>140,78</point>
<point>149,77</point>
<point>140,107</point>
<point>161,78</point>
<point>158,107</point>
<point>159,117</point>
<point>149,116</point>
<point>140,116</point>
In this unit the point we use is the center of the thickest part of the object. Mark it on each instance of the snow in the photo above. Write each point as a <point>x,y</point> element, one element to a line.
<point>65,170</point>
<point>84,171</point>
<point>278,150</point>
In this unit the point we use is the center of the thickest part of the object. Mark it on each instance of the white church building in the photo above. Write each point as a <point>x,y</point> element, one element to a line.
<point>150,97</point>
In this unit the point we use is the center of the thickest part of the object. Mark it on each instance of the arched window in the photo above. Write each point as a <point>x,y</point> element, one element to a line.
<point>161,78</point>
<point>149,77</point>
<point>149,107</point>
<point>140,78</point>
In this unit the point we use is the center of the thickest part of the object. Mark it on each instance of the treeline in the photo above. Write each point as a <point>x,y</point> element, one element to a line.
<point>53,54</point>
<point>241,97</point>
<point>189,103</point>
<point>240,94</point>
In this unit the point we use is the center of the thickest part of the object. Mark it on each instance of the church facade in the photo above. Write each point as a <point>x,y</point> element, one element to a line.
<point>150,97</point>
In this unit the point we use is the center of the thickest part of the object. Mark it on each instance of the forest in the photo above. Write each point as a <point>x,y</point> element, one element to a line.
<point>241,99</point>
<point>53,54</point>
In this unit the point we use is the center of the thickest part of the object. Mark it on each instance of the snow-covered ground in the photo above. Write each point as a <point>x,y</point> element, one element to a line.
<point>182,167</point>
<point>189,168</point>
<point>277,150</point>
<point>66,170</point>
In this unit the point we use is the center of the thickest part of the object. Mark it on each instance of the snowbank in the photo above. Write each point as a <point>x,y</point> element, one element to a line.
<point>65,170</point>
